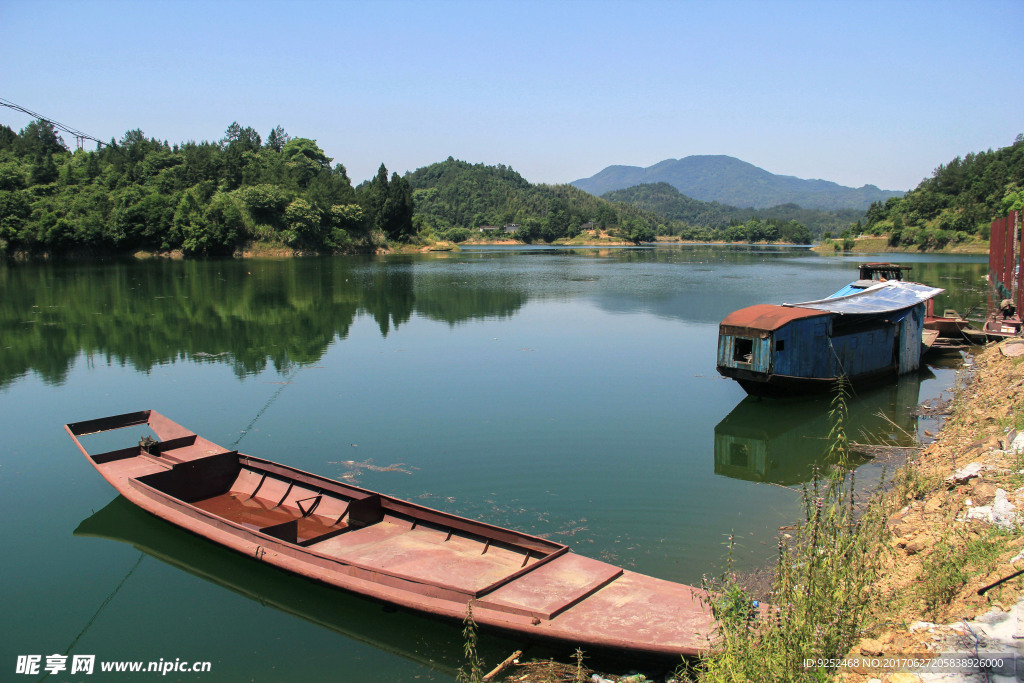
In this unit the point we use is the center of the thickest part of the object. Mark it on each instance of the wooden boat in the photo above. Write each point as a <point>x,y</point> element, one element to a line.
<point>949,325</point>
<point>869,332</point>
<point>406,634</point>
<point>1004,323</point>
<point>394,550</point>
<point>998,328</point>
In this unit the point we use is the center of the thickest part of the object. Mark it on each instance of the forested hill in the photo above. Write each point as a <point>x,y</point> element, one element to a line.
<point>961,198</point>
<point>453,197</point>
<point>204,198</point>
<point>215,198</point>
<point>727,180</point>
<point>665,200</point>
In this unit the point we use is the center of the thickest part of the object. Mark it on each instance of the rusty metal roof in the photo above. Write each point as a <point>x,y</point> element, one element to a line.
<point>768,316</point>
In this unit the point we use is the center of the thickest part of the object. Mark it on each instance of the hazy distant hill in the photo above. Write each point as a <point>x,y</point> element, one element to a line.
<point>665,200</point>
<point>727,180</point>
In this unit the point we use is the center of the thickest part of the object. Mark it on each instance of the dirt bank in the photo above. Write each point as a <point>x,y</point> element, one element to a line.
<point>876,245</point>
<point>953,519</point>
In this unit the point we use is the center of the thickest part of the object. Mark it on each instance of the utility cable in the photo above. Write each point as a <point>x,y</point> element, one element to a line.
<point>56,124</point>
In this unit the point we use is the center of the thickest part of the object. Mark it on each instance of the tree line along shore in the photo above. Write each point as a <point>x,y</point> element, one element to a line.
<point>244,194</point>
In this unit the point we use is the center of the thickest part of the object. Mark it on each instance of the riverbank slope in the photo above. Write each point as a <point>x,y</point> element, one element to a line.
<point>878,245</point>
<point>954,524</point>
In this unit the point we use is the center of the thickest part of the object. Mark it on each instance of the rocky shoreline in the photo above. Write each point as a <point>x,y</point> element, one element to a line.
<point>950,588</point>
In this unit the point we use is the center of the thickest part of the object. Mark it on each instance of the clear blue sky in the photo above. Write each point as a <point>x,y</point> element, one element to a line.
<point>851,91</point>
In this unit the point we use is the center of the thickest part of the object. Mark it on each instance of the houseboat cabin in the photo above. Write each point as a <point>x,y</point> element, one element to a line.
<point>869,331</point>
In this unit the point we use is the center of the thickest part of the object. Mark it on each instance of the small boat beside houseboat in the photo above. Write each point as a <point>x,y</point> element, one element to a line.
<point>869,331</point>
<point>393,550</point>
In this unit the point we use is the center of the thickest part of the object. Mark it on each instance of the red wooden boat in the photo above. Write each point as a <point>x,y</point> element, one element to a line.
<point>394,550</point>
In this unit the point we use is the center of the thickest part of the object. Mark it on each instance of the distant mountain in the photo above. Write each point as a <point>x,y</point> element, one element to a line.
<point>727,180</point>
<point>667,201</point>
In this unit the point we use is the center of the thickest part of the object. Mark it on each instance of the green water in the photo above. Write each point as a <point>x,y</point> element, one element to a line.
<point>568,393</point>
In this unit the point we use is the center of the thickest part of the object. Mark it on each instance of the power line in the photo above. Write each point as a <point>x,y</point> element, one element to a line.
<point>80,137</point>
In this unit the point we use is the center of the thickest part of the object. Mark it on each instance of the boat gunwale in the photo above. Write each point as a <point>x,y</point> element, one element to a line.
<point>308,554</point>
<point>372,582</point>
<point>543,550</point>
<point>410,509</point>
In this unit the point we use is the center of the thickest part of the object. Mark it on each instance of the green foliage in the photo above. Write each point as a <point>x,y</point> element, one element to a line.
<point>388,205</point>
<point>203,198</point>
<point>712,222</point>
<point>1013,200</point>
<point>473,670</point>
<point>457,194</point>
<point>950,565</point>
<point>302,223</point>
<point>207,228</point>
<point>963,196</point>
<point>11,177</point>
<point>455,234</point>
<point>266,202</point>
<point>707,221</point>
<point>820,591</point>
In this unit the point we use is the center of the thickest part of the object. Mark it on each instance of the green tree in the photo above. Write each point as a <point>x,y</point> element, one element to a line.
<point>398,209</point>
<point>304,161</point>
<point>266,203</point>
<point>302,224</point>
<point>38,139</point>
<point>213,231</point>
<point>12,177</point>
<point>277,139</point>
<point>44,171</point>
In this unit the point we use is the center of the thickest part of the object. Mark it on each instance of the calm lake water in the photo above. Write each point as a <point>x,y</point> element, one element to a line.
<point>568,393</point>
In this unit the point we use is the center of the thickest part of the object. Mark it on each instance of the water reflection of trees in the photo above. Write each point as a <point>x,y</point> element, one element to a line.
<point>782,442</point>
<point>251,314</point>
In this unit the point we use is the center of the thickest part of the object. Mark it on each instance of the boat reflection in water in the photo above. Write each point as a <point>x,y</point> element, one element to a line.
<point>429,642</point>
<point>784,442</point>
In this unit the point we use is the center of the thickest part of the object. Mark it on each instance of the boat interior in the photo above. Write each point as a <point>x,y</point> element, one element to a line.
<point>366,529</point>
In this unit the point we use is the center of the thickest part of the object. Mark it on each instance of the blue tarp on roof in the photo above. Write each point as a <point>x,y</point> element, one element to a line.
<point>883,297</point>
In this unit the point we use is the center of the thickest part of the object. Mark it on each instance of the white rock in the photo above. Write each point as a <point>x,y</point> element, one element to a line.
<point>1017,445</point>
<point>1000,512</point>
<point>964,474</point>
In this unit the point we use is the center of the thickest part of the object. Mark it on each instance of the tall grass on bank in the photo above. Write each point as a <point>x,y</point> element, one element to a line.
<point>473,669</point>
<point>820,595</point>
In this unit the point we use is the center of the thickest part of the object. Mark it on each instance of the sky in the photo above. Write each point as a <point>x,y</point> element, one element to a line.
<point>856,92</point>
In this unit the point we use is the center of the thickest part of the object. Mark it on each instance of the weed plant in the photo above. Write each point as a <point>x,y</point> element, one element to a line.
<point>473,670</point>
<point>821,592</point>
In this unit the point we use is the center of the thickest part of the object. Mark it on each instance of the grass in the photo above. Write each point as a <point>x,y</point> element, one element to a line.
<point>473,670</point>
<point>826,589</point>
<point>821,591</point>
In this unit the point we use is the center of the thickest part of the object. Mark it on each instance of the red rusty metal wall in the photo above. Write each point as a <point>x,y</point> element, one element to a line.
<point>1005,257</point>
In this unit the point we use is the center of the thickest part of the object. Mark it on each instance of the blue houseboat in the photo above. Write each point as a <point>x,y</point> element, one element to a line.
<point>869,331</point>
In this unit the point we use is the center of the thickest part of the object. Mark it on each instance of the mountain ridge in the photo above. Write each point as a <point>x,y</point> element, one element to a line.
<point>728,180</point>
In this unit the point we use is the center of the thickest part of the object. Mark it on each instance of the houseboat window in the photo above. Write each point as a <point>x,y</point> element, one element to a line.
<point>742,350</point>
<point>780,345</point>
